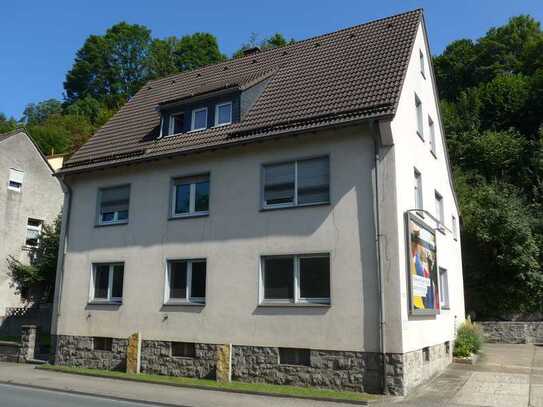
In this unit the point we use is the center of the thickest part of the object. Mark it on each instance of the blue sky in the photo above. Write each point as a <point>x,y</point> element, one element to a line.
<point>39,38</point>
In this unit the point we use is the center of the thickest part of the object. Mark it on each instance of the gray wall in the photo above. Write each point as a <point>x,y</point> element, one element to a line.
<point>232,238</point>
<point>40,198</point>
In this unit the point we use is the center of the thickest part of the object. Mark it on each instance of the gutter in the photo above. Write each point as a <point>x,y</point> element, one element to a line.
<point>63,243</point>
<point>376,135</point>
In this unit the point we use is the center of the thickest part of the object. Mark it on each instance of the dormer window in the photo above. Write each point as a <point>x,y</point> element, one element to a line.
<point>176,124</point>
<point>199,119</point>
<point>223,114</point>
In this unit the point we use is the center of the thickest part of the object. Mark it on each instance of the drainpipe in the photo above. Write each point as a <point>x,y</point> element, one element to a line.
<point>63,243</point>
<point>376,134</point>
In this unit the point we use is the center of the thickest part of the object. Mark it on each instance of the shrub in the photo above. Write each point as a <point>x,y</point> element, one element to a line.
<point>469,339</point>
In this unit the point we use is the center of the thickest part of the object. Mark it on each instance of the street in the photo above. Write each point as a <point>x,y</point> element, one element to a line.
<point>19,396</point>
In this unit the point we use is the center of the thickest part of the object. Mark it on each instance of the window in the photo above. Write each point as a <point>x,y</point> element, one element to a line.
<point>296,279</point>
<point>183,350</point>
<point>114,203</point>
<point>443,288</point>
<point>190,196</point>
<point>33,232</point>
<point>199,119</point>
<point>186,281</point>
<point>432,130</point>
<point>104,344</point>
<point>297,183</point>
<point>421,61</point>
<point>291,356</point>
<point>418,190</point>
<point>176,124</point>
<point>448,347</point>
<point>440,214</point>
<point>426,354</point>
<point>107,282</point>
<point>454,227</point>
<point>15,182</point>
<point>420,125</point>
<point>223,114</point>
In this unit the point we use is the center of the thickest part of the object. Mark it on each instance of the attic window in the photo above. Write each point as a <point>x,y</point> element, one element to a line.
<point>199,119</point>
<point>223,114</point>
<point>176,124</point>
<point>421,60</point>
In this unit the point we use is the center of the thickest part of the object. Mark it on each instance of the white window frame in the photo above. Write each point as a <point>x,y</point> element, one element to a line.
<point>171,123</point>
<point>16,176</point>
<point>110,299</point>
<point>420,115</point>
<point>217,124</point>
<point>444,299</point>
<point>454,227</point>
<point>115,220</point>
<point>34,228</point>
<point>417,189</point>
<point>440,209</point>
<point>194,111</point>
<point>192,181</point>
<point>189,299</point>
<point>422,64</point>
<point>295,201</point>
<point>297,300</point>
<point>432,131</point>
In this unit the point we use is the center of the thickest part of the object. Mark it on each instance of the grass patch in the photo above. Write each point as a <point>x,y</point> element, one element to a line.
<point>8,338</point>
<point>272,389</point>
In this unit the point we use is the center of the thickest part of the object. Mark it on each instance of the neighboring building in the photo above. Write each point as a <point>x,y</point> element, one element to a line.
<point>265,202</point>
<point>56,161</point>
<point>29,198</point>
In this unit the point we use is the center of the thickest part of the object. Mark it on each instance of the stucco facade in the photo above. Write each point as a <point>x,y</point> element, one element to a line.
<point>40,197</point>
<point>366,338</point>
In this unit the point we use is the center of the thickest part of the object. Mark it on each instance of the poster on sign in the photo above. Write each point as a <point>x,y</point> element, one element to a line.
<point>421,243</point>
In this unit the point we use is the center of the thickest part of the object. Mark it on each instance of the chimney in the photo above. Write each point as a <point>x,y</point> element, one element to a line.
<point>251,51</point>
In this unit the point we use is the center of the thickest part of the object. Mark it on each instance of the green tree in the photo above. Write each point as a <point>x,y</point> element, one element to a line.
<point>274,41</point>
<point>36,281</point>
<point>7,125</point>
<point>36,113</point>
<point>196,50</point>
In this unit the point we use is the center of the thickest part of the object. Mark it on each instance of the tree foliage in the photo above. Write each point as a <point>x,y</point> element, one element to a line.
<point>491,101</point>
<point>274,41</point>
<point>36,280</point>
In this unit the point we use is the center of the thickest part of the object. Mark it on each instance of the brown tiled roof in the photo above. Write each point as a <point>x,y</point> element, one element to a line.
<point>352,74</point>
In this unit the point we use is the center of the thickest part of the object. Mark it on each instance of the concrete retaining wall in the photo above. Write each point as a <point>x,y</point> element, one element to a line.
<point>512,332</point>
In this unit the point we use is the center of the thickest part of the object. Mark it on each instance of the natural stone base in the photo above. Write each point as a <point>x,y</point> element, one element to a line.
<point>156,358</point>
<point>338,370</point>
<point>512,332</point>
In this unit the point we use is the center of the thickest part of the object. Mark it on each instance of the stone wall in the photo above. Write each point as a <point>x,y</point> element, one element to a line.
<point>79,351</point>
<point>512,332</point>
<point>10,351</point>
<point>156,358</point>
<point>356,371</point>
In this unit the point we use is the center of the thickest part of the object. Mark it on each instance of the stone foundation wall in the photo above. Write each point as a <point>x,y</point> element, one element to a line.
<point>79,351</point>
<point>10,351</point>
<point>512,332</point>
<point>156,358</point>
<point>408,370</point>
<point>356,371</point>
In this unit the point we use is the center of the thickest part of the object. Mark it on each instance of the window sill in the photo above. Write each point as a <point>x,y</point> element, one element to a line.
<point>275,208</point>
<point>94,302</point>
<point>447,308</point>
<point>184,304</point>
<point>299,304</point>
<point>28,248</point>
<point>100,225</point>
<point>190,215</point>
<point>221,125</point>
<point>196,130</point>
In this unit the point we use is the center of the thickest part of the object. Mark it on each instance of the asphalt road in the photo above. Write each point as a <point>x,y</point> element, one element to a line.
<point>18,396</point>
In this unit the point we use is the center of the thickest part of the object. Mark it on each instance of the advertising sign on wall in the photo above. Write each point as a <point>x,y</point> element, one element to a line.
<point>423,276</point>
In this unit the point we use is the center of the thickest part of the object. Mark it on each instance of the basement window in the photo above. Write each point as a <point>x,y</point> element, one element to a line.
<point>295,279</point>
<point>295,357</point>
<point>426,354</point>
<point>448,348</point>
<point>183,350</point>
<point>102,344</point>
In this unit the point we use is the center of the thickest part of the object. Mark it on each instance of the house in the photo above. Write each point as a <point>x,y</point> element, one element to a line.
<point>294,204</point>
<point>29,198</point>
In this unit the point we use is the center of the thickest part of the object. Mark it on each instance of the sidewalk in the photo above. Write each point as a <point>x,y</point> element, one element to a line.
<point>151,393</point>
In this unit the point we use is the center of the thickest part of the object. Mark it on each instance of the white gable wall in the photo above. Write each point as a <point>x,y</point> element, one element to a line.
<point>413,152</point>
